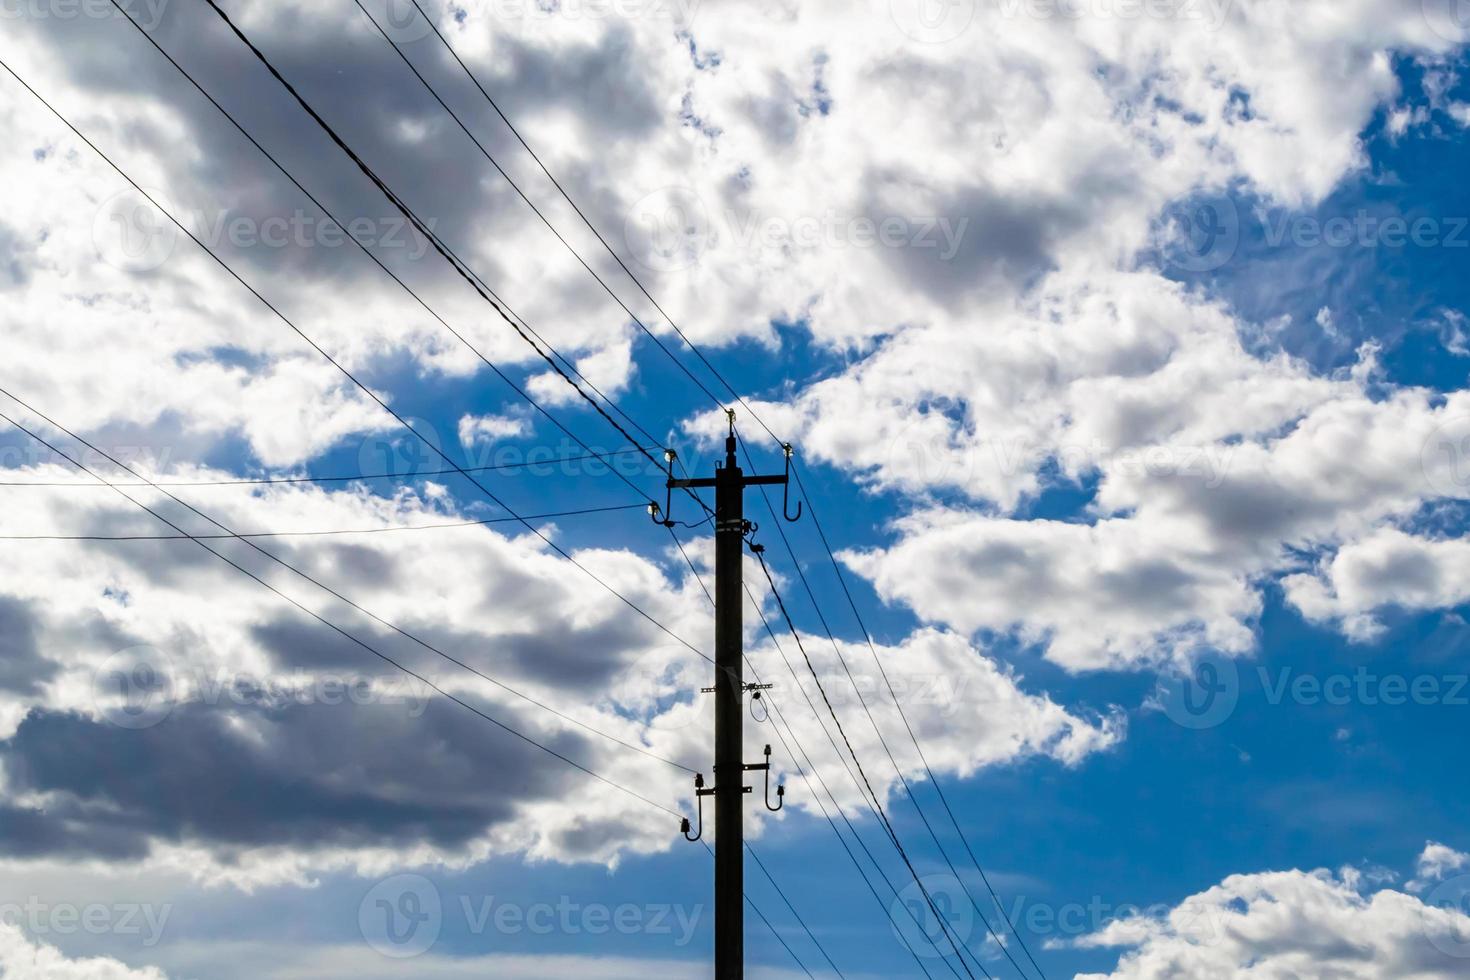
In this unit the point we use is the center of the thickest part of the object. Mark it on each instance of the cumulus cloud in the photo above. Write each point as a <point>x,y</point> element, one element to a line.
<point>1288,924</point>
<point>27,960</point>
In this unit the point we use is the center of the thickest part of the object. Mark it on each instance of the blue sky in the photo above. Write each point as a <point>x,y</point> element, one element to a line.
<point>1141,446</point>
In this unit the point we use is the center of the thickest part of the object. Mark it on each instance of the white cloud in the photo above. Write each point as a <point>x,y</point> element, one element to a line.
<point>1435,863</point>
<point>25,960</point>
<point>1291,924</point>
<point>1388,568</point>
<point>477,429</point>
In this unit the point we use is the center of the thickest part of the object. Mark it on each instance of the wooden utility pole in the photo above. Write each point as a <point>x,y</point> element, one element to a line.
<point>729,789</point>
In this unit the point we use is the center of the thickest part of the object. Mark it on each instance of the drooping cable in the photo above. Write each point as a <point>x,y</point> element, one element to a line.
<point>344,633</point>
<point>344,478</point>
<point>350,376</point>
<point>244,535</point>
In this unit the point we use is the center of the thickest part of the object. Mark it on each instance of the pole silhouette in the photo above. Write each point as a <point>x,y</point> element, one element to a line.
<point>729,789</point>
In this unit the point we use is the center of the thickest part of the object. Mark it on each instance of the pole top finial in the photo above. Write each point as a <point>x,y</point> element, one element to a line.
<point>730,414</point>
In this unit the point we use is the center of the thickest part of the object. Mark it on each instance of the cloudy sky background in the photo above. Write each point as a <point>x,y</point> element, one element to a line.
<point>1122,345</point>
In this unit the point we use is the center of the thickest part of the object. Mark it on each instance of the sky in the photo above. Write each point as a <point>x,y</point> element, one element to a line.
<point>1123,350</point>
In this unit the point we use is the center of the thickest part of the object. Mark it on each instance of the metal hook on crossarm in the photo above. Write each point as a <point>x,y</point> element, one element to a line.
<point>780,787</point>
<point>699,794</point>
<point>665,517</point>
<point>786,499</point>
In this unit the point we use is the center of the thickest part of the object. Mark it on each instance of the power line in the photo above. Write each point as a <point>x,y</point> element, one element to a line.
<point>459,266</point>
<point>413,218</point>
<point>867,710</point>
<point>779,716</point>
<point>779,938</point>
<point>272,556</point>
<point>312,534</point>
<point>933,780</point>
<point>800,921</point>
<point>345,478</point>
<point>606,288</point>
<point>610,250</point>
<point>339,630</point>
<point>892,834</point>
<point>353,378</point>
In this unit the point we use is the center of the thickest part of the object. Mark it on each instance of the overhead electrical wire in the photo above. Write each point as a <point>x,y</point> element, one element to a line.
<point>339,630</point>
<point>460,267</point>
<point>955,944</point>
<point>344,478</point>
<point>867,710</point>
<point>734,393</point>
<point>516,187</point>
<point>779,719</point>
<point>412,218</point>
<point>601,282</point>
<point>313,534</point>
<point>353,378</point>
<point>933,780</point>
<point>334,593</point>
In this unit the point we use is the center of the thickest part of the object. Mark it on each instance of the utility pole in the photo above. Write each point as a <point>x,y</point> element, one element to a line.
<point>729,789</point>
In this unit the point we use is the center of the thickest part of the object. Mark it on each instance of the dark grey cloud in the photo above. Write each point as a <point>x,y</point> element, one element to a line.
<point>308,776</point>
<point>23,668</point>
